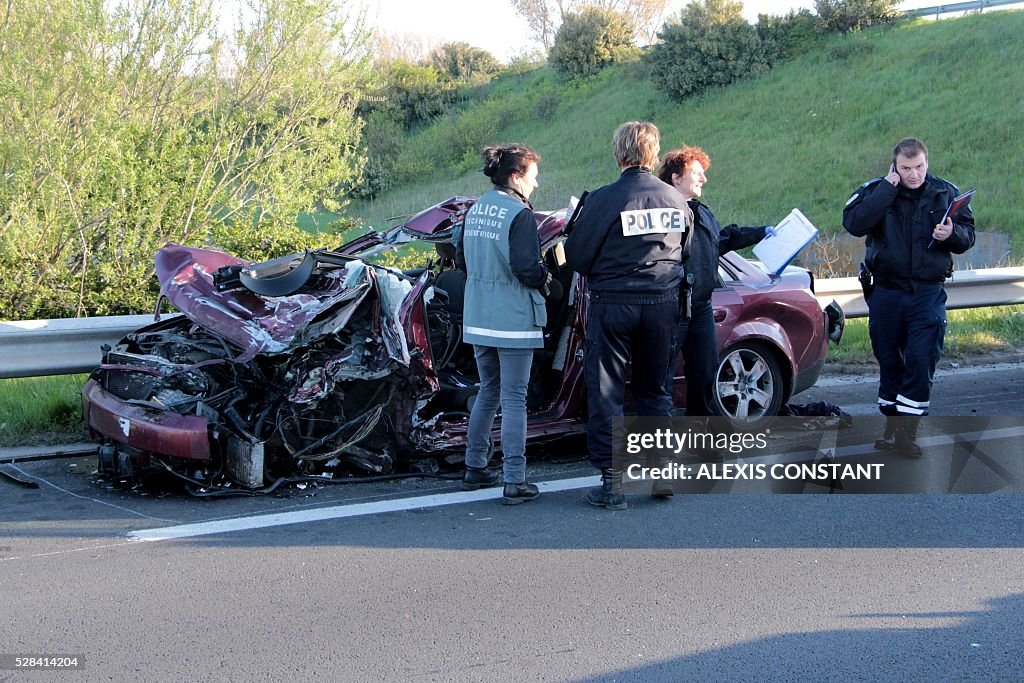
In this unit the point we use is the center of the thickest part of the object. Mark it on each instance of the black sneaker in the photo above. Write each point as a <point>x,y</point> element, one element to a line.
<point>478,477</point>
<point>515,494</point>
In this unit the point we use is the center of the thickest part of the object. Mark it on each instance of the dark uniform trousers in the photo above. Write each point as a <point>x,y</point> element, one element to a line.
<point>696,341</point>
<point>907,332</point>
<point>626,331</point>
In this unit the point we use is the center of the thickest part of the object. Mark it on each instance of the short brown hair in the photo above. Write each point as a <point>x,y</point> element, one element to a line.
<point>678,160</point>
<point>909,147</point>
<point>636,143</point>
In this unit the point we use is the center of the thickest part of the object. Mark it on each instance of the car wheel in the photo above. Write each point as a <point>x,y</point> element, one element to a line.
<point>748,385</point>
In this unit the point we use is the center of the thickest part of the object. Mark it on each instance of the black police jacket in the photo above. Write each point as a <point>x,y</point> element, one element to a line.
<point>706,243</point>
<point>898,224</point>
<point>628,236</point>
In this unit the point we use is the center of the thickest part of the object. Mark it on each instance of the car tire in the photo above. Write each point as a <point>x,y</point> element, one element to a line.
<point>749,385</point>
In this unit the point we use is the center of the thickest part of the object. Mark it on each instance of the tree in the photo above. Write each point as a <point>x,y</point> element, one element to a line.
<point>462,62</point>
<point>842,16</point>
<point>544,17</point>
<point>130,125</point>
<point>708,44</point>
<point>787,36</point>
<point>414,93</point>
<point>590,40</point>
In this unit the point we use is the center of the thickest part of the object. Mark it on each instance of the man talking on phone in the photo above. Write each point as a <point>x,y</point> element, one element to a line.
<point>908,251</point>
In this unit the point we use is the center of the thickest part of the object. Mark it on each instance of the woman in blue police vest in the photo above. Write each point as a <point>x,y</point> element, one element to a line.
<point>504,314</point>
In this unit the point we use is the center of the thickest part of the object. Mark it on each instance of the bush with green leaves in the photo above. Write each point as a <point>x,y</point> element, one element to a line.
<point>382,143</point>
<point>589,40</point>
<point>844,16</point>
<point>708,44</point>
<point>452,145</point>
<point>412,93</point>
<point>525,62</point>
<point>788,36</point>
<point>129,125</point>
<point>464,63</point>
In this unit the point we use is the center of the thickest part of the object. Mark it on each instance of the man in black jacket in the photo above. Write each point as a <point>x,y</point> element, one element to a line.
<point>627,242</point>
<point>908,252</point>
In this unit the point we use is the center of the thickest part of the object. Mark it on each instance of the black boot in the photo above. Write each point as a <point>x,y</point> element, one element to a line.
<point>706,453</point>
<point>888,440</point>
<point>906,438</point>
<point>478,477</point>
<point>514,494</point>
<point>609,494</point>
<point>660,488</point>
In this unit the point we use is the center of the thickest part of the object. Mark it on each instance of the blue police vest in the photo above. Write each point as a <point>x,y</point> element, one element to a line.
<point>500,310</point>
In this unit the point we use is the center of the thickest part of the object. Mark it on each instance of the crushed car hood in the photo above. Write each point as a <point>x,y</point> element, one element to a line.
<point>270,325</point>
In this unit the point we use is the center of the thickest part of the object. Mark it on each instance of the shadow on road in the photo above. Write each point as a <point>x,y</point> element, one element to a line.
<point>980,645</point>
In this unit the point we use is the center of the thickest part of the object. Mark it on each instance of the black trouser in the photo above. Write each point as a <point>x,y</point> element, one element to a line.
<point>695,340</point>
<point>625,332</point>
<point>907,332</point>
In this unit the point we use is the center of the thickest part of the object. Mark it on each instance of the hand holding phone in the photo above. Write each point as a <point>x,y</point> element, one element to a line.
<point>893,177</point>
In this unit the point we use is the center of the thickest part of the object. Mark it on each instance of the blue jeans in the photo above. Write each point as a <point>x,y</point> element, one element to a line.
<point>504,378</point>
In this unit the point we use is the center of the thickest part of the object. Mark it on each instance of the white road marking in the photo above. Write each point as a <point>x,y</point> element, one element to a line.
<point>248,523</point>
<point>994,434</point>
<point>340,511</point>
<point>94,500</point>
<point>65,551</point>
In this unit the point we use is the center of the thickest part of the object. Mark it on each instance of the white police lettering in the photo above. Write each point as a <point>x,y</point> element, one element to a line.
<point>489,210</point>
<point>651,221</point>
<point>485,216</point>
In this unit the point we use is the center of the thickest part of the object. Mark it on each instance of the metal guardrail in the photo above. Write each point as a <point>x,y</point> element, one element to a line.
<point>966,289</point>
<point>64,346</point>
<point>970,6</point>
<point>36,348</point>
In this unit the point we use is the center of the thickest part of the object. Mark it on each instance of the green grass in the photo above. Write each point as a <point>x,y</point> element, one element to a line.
<point>971,332</point>
<point>41,410</point>
<point>315,222</point>
<point>805,134</point>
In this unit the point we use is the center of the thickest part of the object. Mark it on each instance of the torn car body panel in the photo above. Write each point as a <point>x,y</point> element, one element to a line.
<point>356,368</point>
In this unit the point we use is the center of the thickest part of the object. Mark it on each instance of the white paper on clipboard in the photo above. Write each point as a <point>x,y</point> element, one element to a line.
<point>779,248</point>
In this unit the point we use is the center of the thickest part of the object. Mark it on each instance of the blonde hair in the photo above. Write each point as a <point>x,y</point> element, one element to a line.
<point>636,143</point>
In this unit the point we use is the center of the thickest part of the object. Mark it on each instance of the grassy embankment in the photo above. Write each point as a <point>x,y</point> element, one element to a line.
<point>803,135</point>
<point>806,134</point>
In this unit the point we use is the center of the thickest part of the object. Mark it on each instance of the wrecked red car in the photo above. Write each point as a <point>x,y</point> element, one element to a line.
<point>323,364</point>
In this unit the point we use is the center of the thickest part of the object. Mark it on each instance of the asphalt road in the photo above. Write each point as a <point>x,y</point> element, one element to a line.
<point>416,580</point>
